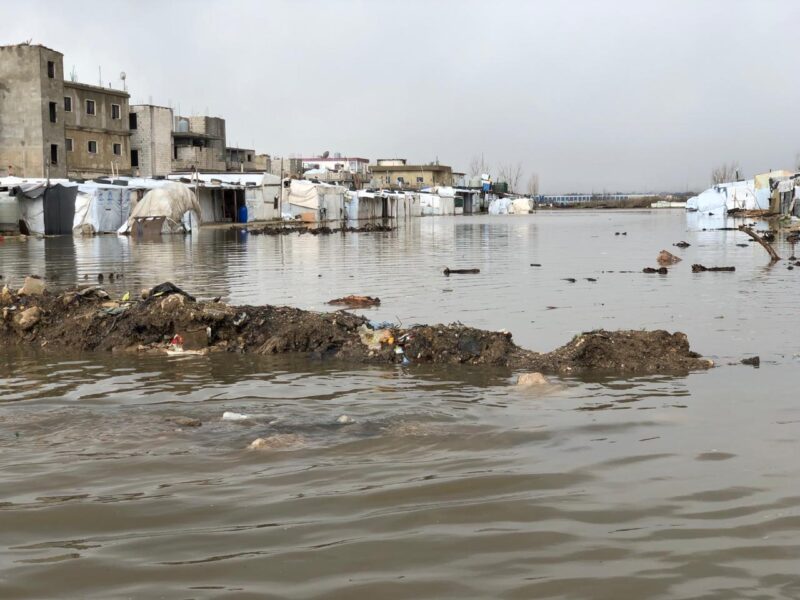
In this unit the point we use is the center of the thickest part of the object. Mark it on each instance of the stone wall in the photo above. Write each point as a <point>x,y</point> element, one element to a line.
<point>152,138</point>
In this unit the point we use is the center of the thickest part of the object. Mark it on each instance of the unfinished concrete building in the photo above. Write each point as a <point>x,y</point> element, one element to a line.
<point>151,140</point>
<point>198,143</point>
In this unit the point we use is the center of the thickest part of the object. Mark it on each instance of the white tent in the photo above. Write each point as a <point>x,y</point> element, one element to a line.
<point>173,205</point>
<point>437,201</point>
<point>314,201</point>
<point>727,196</point>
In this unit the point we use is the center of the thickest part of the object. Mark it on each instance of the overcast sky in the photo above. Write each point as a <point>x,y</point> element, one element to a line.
<point>616,95</point>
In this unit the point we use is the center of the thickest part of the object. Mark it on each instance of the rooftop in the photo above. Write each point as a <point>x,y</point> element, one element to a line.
<point>96,88</point>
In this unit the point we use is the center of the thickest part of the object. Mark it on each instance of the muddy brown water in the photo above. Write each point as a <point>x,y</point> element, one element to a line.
<point>449,482</point>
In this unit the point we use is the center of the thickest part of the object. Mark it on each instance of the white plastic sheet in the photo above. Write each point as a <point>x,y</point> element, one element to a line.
<point>171,201</point>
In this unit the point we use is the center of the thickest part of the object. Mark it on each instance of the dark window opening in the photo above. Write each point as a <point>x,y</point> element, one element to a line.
<point>90,107</point>
<point>53,154</point>
<point>52,112</point>
<point>67,104</point>
<point>249,158</point>
<point>134,158</point>
<point>117,149</point>
<point>92,147</point>
<point>175,152</point>
<point>115,112</point>
<point>132,121</point>
<point>51,69</point>
<point>69,144</point>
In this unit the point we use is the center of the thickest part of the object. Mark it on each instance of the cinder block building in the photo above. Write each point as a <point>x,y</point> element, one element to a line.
<point>199,143</point>
<point>151,140</point>
<point>55,128</point>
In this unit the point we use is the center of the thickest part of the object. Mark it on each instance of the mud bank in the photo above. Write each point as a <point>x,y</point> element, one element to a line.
<point>88,320</point>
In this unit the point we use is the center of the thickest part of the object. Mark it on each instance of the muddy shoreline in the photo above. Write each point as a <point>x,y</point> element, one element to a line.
<point>89,320</point>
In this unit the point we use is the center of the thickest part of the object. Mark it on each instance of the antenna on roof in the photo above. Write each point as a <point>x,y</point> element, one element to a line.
<point>123,77</point>
<point>99,76</point>
<point>73,75</point>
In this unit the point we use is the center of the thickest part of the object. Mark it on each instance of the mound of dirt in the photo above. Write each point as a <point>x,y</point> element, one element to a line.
<point>88,320</point>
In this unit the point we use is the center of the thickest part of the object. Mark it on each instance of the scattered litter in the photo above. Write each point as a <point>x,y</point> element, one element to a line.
<point>448,271</point>
<point>682,244</point>
<point>667,258</point>
<point>167,288</point>
<point>240,319</point>
<point>277,441</point>
<point>356,301</point>
<point>701,268</point>
<point>373,338</point>
<point>754,361</point>
<point>536,265</point>
<point>660,270</point>
<point>234,416</point>
<point>569,279</point>
<point>345,420</point>
<point>529,379</point>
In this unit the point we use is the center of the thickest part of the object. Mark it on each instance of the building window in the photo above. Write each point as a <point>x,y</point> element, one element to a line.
<point>249,158</point>
<point>92,147</point>
<point>69,144</point>
<point>117,149</point>
<point>52,112</point>
<point>420,179</point>
<point>67,104</point>
<point>115,114</point>
<point>51,69</point>
<point>401,181</point>
<point>134,158</point>
<point>133,122</point>
<point>91,109</point>
<point>53,154</point>
<point>175,152</point>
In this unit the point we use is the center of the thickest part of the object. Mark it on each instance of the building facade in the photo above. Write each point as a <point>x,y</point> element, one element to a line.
<point>31,125</point>
<point>338,163</point>
<point>199,143</point>
<point>151,140</point>
<point>396,173</point>
<point>97,137</point>
<point>55,128</point>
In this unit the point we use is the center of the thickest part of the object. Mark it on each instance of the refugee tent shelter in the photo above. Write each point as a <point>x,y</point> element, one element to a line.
<point>101,207</point>
<point>46,209</point>
<point>9,205</point>
<point>711,200</point>
<point>234,197</point>
<point>171,208</point>
<point>437,201</point>
<point>311,201</point>
<point>500,206</point>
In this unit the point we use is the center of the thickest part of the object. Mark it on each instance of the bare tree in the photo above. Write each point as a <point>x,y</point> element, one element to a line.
<point>725,172</point>
<point>797,162</point>
<point>533,184</point>
<point>478,166</point>
<point>511,174</point>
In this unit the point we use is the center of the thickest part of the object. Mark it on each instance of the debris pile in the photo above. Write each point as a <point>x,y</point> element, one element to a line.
<point>88,320</point>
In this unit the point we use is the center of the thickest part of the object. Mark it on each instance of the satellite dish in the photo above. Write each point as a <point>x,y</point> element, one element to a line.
<point>326,154</point>
<point>122,76</point>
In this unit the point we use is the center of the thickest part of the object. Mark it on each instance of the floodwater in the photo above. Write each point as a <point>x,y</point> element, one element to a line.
<point>449,482</point>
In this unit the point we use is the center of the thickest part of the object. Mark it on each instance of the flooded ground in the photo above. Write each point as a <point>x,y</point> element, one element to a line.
<point>448,482</point>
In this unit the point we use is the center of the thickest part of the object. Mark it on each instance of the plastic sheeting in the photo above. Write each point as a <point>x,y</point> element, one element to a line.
<point>101,208</point>
<point>317,201</point>
<point>710,200</point>
<point>172,202</point>
<point>740,195</point>
<point>435,205</point>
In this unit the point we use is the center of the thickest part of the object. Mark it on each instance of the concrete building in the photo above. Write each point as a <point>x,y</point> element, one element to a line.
<point>151,140</point>
<point>286,167</point>
<point>31,124</point>
<point>396,173</point>
<point>199,143</point>
<point>240,160</point>
<point>338,163</point>
<point>97,137</point>
<point>56,128</point>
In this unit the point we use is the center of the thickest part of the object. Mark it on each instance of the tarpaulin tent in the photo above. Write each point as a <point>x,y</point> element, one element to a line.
<point>237,197</point>
<point>170,205</point>
<point>101,208</point>
<point>315,201</point>
<point>46,209</point>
